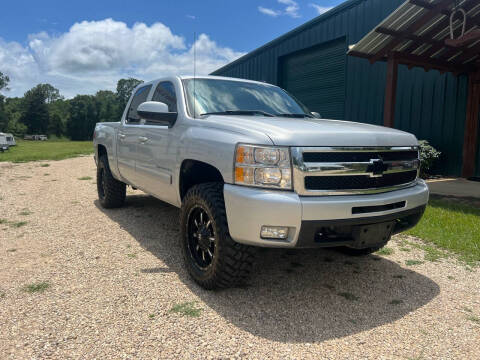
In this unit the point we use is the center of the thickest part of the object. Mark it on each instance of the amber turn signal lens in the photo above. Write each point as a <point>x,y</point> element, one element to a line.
<point>239,176</point>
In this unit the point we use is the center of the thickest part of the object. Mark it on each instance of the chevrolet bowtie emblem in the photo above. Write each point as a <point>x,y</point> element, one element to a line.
<point>376,168</point>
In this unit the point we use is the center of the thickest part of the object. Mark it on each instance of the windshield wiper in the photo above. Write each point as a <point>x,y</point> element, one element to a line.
<point>240,112</point>
<point>295,115</point>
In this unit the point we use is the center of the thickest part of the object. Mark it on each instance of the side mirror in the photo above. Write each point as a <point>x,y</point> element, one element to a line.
<point>316,115</point>
<point>156,113</point>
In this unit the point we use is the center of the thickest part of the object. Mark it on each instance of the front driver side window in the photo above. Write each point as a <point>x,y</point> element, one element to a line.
<point>139,97</point>
<point>165,92</point>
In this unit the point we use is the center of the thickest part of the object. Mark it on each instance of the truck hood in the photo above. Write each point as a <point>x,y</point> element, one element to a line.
<point>316,132</point>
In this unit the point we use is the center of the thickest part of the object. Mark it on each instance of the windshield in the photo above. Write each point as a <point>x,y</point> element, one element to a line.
<point>238,98</point>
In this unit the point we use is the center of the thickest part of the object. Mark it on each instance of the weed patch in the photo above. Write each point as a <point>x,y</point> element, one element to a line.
<point>186,309</point>
<point>39,287</point>
<point>413,262</point>
<point>385,251</point>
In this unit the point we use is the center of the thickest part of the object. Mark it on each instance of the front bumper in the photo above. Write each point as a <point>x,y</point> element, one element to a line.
<point>248,209</point>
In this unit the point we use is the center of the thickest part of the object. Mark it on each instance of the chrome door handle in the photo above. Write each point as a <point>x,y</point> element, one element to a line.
<point>121,136</point>
<point>142,139</point>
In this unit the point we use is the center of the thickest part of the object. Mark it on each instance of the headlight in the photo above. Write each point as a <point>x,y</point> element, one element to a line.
<point>263,166</point>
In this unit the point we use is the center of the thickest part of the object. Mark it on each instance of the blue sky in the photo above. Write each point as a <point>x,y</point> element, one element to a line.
<point>84,46</point>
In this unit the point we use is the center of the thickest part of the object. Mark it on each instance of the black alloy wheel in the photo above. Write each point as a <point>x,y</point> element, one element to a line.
<point>201,237</point>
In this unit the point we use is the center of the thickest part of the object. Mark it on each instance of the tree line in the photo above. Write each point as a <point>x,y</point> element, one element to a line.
<point>43,110</point>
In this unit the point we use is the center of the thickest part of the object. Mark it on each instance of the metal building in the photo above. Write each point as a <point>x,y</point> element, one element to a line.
<point>311,62</point>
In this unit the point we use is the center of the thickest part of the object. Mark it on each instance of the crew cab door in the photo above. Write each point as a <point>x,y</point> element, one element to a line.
<point>128,137</point>
<point>157,150</point>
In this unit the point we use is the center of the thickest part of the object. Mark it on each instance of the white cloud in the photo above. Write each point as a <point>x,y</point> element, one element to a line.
<point>269,12</point>
<point>93,55</point>
<point>321,9</point>
<point>291,9</point>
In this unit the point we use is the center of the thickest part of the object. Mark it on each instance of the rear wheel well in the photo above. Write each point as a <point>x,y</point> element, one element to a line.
<point>194,172</point>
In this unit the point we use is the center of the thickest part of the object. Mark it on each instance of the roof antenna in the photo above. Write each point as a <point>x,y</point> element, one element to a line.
<point>194,72</point>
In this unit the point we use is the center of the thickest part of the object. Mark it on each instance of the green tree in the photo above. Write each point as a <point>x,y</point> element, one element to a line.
<point>3,115</point>
<point>124,90</point>
<point>59,111</point>
<point>13,110</point>
<point>35,111</point>
<point>107,105</point>
<point>83,117</point>
<point>51,93</point>
<point>4,81</point>
<point>56,125</point>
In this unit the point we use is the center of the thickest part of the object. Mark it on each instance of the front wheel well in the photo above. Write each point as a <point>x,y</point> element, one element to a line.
<point>101,150</point>
<point>194,172</point>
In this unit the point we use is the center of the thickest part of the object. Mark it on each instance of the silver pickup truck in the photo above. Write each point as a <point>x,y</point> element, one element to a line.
<point>250,166</point>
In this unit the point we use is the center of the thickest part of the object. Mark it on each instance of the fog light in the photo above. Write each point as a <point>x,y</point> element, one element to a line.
<point>274,232</point>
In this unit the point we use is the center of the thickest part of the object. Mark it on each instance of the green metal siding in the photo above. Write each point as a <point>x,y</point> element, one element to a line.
<point>430,105</point>
<point>477,173</point>
<point>316,77</point>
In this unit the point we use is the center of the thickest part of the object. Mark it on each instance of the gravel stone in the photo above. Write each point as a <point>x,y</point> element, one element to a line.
<point>100,299</point>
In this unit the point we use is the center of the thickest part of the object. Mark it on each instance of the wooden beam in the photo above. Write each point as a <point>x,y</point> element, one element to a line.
<point>390,92</point>
<point>428,40</point>
<point>429,63</point>
<point>434,49</point>
<point>429,6</point>
<point>359,54</point>
<point>446,12</point>
<point>440,26</point>
<point>470,140</point>
<point>467,55</point>
<point>417,25</point>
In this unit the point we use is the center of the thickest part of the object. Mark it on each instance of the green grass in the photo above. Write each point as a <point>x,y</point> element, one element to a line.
<point>413,262</point>
<point>19,224</point>
<point>46,150</point>
<point>384,251</point>
<point>36,287</point>
<point>186,309</point>
<point>474,318</point>
<point>452,226</point>
<point>85,178</point>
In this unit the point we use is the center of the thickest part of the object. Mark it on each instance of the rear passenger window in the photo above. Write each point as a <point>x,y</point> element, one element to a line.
<point>165,92</point>
<point>139,97</point>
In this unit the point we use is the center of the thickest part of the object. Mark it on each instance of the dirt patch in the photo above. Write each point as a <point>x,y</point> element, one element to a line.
<point>111,284</point>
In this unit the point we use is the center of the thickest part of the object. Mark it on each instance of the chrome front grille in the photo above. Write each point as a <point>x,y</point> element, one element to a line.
<point>360,170</point>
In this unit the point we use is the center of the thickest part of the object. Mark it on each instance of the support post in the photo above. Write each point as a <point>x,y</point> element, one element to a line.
<point>470,140</point>
<point>390,91</point>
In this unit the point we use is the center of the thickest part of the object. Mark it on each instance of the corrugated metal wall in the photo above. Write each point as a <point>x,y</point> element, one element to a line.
<point>430,105</point>
<point>478,151</point>
<point>317,78</point>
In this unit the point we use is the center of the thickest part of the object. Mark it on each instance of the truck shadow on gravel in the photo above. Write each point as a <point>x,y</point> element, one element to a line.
<point>293,296</point>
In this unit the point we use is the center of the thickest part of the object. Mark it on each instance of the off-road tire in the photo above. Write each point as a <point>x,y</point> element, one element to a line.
<point>232,262</point>
<point>111,192</point>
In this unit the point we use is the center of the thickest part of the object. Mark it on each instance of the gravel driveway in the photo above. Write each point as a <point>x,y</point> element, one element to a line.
<point>77,281</point>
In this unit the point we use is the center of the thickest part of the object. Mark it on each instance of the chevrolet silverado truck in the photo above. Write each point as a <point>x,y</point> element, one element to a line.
<point>250,166</point>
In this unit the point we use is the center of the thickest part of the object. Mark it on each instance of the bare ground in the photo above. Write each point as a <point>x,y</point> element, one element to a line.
<point>107,282</point>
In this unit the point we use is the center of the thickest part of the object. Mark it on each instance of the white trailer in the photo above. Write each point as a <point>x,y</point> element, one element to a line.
<point>10,138</point>
<point>3,143</point>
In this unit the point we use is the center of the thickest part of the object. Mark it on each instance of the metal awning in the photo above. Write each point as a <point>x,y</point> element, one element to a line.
<point>418,34</point>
